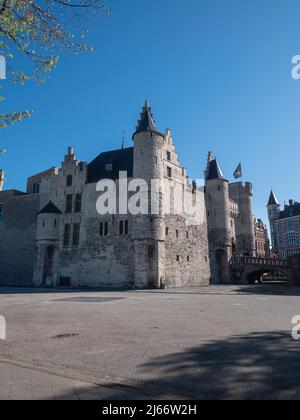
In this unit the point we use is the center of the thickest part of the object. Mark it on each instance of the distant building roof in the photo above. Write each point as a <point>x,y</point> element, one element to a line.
<point>50,208</point>
<point>108,165</point>
<point>273,200</point>
<point>290,211</point>
<point>214,171</point>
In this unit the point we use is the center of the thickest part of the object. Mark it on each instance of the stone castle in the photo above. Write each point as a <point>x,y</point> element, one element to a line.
<point>53,235</point>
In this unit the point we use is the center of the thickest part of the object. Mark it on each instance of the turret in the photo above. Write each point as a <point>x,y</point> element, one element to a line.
<point>245,233</point>
<point>218,218</point>
<point>48,235</point>
<point>273,207</point>
<point>149,230</point>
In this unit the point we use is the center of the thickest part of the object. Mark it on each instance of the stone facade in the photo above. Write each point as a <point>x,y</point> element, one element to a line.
<point>78,247</point>
<point>17,237</point>
<point>230,221</point>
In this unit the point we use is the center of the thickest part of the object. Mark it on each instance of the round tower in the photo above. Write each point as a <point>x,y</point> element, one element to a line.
<point>218,219</point>
<point>273,207</point>
<point>47,243</point>
<point>273,214</point>
<point>149,229</point>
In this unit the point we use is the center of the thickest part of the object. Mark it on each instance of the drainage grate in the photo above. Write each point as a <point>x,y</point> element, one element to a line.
<point>90,299</point>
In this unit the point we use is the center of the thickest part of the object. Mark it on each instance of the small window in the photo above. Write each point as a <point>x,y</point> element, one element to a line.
<point>67,233</point>
<point>1,212</point>
<point>64,282</point>
<point>188,258</point>
<point>69,180</point>
<point>55,223</point>
<point>187,235</point>
<point>178,258</point>
<point>109,167</point>
<point>169,156</point>
<point>219,187</point>
<point>167,231</point>
<point>78,200</point>
<point>69,203</point>
<point>36,188</point>
<point>169,172</point>
<point>76,234</point>
<point>121,228</point>
<point>103,229</point>
<point>177,233</point>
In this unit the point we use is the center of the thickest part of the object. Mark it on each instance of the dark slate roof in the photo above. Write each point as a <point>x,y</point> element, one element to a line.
<point>214,171</point>
<point>146,122</point>
<point>50,208</point>
<point>273,200</point>
<point>121,160</point>
<point>290,211</point>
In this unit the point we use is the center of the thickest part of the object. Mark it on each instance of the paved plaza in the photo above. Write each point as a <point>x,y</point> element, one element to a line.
<point>207,343</point>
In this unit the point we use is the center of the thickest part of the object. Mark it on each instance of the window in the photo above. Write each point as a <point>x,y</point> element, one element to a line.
<point>1,212</point>
<point>167,231</point>
<point>76,234</point>
<point>69,203</point>
<point>178,258</point>
<point>187,235</point>
<point>67,232</point>
<point>169,172</point>
<point>103,229</point>
<point>188,258</point>
<point>123,227</point>
<point>169,156</point>
<point>69,180</point>
<point>55,223</point>
<point>109,167</point>
<point>78,199</point>
<point>177,234</point>
<point>36,188</point>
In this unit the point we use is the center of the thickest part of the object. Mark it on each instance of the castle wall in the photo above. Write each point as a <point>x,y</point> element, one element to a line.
<point>17,238</point>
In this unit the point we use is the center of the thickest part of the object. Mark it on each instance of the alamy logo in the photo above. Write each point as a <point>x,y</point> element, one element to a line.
<point>2,68</point>
<point>2,328</point>
<point>296,68</point>
<point>296,328</point>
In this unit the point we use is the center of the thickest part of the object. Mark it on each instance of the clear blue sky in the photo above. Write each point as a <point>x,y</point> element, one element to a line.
<point>217,72</point>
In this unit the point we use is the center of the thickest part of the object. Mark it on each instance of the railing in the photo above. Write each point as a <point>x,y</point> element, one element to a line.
<point>273,262</point>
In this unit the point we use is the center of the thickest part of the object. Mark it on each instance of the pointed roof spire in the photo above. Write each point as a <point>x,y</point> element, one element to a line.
<point>146,121</point>
<point>214,171</point>
<point>273,200</point>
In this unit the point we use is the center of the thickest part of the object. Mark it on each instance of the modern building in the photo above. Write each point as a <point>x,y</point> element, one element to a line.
<point>285,227</point>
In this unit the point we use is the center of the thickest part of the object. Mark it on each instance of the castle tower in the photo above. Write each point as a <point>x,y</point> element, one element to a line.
<point>273,214</point>
<point>149,230</point>
<point>48,229</point>
<point>218,219</point>
<point>273,207</point>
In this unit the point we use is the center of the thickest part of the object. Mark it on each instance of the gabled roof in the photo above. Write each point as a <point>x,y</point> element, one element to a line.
<point>108,165</point>
<point>214,171</point>
<point>273,200</point>
<point>146,121</point>
<point>50,208</point>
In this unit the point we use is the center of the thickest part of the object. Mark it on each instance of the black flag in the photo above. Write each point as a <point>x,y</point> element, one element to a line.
<point>238,172</point>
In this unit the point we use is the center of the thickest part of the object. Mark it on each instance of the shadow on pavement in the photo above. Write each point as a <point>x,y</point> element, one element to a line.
<point>257,366</point>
